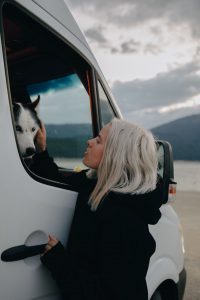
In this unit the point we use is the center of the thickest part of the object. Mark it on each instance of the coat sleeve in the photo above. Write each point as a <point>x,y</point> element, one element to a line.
<point>44,166</point>
<point>125,247</point>
<point>63,271</point>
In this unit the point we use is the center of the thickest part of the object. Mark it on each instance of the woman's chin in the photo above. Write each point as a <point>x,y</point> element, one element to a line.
<point>84,161</point>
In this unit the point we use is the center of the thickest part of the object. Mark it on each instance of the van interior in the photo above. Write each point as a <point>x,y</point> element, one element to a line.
<point>35,55</point>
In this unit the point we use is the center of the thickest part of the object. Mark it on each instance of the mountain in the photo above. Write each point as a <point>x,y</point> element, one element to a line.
<point>184,136</point>
<point>68,140</point>
<point>68,130</point>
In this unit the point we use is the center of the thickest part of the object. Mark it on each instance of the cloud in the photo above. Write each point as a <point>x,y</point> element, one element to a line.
<point>132,46</point>
<point>166,88</point>
<point>96,35</point>
<point>140,27</point>
<point>53,85</point>
<point>149,28</point>
<point>152,48</point>
<point>134,12</point>
<point>162,98</point>
<point>153,118</point>
<point>127,47</point>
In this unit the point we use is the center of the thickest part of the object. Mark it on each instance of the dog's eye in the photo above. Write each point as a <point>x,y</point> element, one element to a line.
<point>33,129</point>
<point>18,128</point>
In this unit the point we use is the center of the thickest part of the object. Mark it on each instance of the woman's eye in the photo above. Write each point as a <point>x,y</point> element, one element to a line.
<point>33,129</point>
<point>18,128</point>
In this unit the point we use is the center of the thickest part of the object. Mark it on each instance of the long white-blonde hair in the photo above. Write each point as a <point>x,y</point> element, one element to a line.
<point>129,162</point>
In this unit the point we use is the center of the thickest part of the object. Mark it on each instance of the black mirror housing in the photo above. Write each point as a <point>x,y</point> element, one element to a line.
<point>166,169</point>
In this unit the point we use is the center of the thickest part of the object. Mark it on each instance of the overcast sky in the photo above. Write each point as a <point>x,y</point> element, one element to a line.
<point>149,52</point>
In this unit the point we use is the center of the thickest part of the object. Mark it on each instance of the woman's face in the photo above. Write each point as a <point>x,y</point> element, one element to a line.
<point>94,152</point>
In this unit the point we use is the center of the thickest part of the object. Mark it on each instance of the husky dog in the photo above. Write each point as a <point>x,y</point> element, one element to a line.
<point>27,124</point>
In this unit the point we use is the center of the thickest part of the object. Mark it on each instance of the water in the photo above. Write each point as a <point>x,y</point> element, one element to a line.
<point>70,163</point>
<point>187,175</point>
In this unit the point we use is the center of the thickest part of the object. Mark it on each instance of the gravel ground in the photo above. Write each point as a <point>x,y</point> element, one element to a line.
<point>187,206</point>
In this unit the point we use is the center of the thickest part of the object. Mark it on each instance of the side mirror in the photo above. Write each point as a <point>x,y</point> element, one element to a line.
<point>166,170</point>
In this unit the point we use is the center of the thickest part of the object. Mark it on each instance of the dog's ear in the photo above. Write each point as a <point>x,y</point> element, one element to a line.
<point>34,105</point>
<point>16,106</point>
<point>16,109</point>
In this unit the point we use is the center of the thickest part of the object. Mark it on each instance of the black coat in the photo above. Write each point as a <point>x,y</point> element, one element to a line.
<point>108,251</point>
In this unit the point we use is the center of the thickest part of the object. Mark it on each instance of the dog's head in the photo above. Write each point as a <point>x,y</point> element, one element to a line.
<point>27,124</point>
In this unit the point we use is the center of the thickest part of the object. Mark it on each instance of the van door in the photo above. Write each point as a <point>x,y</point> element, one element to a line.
<point>34,61</point>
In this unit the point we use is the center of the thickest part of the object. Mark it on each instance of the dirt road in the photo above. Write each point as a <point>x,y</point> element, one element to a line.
<point>187,206</point>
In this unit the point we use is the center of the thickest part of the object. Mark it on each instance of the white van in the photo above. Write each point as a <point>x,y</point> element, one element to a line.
<point>43,52</point>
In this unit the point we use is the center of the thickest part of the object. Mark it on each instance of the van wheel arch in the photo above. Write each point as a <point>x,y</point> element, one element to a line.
<point>166,290</point>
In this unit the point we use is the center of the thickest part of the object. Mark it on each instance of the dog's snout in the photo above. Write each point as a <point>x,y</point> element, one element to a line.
<point>30,151</point>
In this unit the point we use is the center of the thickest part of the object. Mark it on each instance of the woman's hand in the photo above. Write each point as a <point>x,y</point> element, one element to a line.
<point>52,241</point>
<point>40,139</point>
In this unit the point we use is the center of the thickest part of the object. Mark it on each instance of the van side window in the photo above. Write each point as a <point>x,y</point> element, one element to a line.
<point>107,113</point>
<point>40,63</point>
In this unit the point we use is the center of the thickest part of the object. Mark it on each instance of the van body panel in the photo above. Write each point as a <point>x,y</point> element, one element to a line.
<point>169,225</point>
<point>162,269</point>
<point>29,211</point>
<point>61,13</point>
<point>168,260</point>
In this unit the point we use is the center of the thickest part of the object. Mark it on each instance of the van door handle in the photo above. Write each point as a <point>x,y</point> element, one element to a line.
<point>21,252</point>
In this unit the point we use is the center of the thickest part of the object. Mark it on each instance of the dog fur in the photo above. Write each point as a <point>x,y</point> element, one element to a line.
<point>27,124</point>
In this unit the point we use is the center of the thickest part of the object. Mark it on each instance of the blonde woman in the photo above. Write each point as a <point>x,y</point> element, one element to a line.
<point>109,245</point>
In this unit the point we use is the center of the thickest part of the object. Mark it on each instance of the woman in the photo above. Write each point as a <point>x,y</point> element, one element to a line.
<point>109,245</point>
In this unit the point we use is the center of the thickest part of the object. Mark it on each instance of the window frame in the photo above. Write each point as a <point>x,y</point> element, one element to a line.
<point>92,89</point>
<point>115,113</point>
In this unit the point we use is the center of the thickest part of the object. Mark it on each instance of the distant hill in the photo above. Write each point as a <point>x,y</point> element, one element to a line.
<point>184,136</point>
<point>68,140</point>
<point>68,130</point>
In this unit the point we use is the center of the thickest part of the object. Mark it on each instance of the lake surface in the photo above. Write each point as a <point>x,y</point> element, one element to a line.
<point>187,175</point>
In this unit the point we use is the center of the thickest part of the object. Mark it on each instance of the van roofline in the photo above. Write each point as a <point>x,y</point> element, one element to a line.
<point>59,10</point>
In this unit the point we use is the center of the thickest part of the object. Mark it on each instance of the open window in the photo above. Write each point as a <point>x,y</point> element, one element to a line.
<point>106,110</point>
<point>40,63</point>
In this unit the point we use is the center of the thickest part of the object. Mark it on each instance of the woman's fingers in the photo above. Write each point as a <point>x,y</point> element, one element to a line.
<point>43,130</point>
<point>52,240</point>
<point>40,138</point>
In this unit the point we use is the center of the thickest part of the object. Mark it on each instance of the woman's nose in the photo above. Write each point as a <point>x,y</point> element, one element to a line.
<point>89,143</point>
